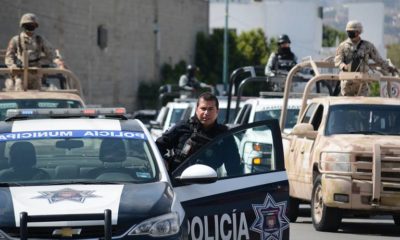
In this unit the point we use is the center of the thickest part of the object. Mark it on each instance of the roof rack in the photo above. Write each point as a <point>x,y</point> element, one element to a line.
<point>14,114</point>
<point>328,64</point>
<point>69,82</point>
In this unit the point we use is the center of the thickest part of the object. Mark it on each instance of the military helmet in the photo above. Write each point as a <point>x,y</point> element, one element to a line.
<point>29,18</point>
<point>283,39</point>
<point>354,26</point>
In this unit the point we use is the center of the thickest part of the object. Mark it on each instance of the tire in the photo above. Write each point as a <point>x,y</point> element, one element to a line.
<point>324,218</point>
<point>293,209</point>
<point>396,219</point>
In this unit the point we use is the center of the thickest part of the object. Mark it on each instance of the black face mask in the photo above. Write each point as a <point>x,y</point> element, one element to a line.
<point>29,27</point>
<point>351,34</point>
<point>284,50</point>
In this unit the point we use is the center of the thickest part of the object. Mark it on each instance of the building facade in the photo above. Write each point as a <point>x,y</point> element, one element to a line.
<point>112,46</point>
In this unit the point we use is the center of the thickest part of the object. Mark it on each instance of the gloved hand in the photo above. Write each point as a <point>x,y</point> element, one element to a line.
<point>392,69</point>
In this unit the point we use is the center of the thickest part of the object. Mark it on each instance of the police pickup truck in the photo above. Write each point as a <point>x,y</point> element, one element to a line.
<point>94,174</point>
<point>342,155</point>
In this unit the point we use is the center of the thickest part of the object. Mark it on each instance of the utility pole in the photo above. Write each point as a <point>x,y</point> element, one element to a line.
<point>225,64</point>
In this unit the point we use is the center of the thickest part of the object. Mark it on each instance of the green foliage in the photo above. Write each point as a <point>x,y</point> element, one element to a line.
<point>253,47</point>
<point>393,53</point>
<point>247,49</point>
<point>329,36</point>
<point>171,75</point>
<point>148,95</point>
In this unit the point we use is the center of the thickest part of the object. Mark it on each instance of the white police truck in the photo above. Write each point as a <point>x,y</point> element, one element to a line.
<point>94,174</point>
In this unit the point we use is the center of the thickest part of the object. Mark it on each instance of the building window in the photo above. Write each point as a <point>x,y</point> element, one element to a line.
<point>102,37</point>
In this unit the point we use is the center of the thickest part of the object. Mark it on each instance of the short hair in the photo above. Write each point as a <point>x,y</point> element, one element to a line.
<point>207,96</point>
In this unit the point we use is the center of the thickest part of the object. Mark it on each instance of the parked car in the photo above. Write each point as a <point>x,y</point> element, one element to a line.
<point>93,173</point>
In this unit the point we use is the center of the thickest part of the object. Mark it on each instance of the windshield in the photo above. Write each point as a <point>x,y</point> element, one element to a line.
<point>292,115</point>
<point>364,119</point>
<point>36,103</point>
<point>176,116</point>
<point>56,157</point>
<point>222,115</point>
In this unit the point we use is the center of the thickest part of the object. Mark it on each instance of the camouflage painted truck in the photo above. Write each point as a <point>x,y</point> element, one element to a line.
<point>343,155</point>
<point>59,88</point>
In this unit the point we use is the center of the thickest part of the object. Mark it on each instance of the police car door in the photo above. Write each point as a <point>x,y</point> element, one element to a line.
<point>246,204</point>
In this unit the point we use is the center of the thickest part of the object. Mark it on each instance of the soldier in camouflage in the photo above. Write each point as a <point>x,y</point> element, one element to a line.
<point>39,50</point>
<point>353,55</point>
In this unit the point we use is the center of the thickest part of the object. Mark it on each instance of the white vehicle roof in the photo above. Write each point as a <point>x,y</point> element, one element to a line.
<point>272,103</point>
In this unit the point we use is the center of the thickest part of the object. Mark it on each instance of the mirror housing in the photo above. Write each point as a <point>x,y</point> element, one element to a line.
<point>155,124</point>
<point>304,130</point>
<point>198,173</point>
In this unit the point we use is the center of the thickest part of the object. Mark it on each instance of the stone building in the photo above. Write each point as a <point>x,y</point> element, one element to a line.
<point>112,46</point>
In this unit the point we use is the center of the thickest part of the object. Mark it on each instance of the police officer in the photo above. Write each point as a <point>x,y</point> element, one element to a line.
<point>353,55</point>
<point>186,137</point>
<point>189,84</point>
<point>284,59</point>
<point>39,50</point>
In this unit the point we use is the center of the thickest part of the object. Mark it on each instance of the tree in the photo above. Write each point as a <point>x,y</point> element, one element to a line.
<point>331,36</point>
<point>253,47</point>
<point>393,53</point>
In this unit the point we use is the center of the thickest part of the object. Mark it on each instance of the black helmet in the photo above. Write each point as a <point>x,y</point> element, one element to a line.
<point>283,39</point>
<point>191,69</point>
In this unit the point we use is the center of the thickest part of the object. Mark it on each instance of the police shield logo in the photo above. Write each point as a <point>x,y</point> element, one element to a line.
<point>271,219</point>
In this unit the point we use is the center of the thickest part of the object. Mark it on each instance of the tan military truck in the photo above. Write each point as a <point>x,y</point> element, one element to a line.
<point>343,155</point>
<point>59,88</point>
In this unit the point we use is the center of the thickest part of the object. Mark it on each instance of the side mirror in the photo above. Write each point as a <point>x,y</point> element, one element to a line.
<point>198,173</point>
<point>155,124</point>
<point>304,130</point>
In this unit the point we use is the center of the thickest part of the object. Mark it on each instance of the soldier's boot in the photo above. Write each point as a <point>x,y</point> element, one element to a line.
<point>9,84</point>
<point>18,84</point>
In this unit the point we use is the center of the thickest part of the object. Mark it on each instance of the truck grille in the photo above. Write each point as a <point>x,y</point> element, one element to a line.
<point>387,164</point>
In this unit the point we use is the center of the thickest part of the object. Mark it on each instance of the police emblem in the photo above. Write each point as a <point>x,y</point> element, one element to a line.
<point>67,194</point>
<point>271,219</point>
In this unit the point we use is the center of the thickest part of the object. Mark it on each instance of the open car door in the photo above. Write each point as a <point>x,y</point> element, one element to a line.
<point>237,201</point>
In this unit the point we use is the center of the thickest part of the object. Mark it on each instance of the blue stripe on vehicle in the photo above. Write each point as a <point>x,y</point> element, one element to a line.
<point>71,134</point>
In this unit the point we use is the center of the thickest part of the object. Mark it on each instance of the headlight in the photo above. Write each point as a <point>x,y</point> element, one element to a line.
<point>336,162</point>
<point>163,225</point>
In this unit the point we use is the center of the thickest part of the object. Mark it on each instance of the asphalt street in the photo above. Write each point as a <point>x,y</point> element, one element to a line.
<point>380,227</point>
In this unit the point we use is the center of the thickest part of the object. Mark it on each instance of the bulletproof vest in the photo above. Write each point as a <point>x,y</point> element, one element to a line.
<point>357,58</point>
<point>285,60</point>
<point>21,46</point>
<point>192,82</point>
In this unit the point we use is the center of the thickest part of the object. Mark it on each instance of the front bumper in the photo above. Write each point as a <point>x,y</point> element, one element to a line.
<point>347,193</point>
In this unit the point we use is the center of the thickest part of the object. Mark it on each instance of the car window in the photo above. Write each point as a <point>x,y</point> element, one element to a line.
<point>36,103</point>
<point>363,119</point>
<point>292,115</point>
<point>176,116</point>
<point>244,150</point>
<point>76,156</point>
<point>309,112</point>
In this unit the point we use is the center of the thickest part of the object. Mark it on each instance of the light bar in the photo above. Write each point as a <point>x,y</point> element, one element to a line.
<point>66,112</point>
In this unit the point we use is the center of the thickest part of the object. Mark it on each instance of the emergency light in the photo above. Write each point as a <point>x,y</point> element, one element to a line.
<point>65,112</point>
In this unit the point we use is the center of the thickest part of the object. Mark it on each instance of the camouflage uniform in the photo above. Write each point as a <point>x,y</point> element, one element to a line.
<point>355,57</point>
<point>39,50</point>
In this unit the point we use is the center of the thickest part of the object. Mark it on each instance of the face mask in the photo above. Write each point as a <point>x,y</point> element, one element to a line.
<point>284,50</point>
<point>29,27</point>
<point>351,34</point>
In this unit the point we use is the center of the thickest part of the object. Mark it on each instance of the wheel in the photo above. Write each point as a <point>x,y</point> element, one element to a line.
<point>293,209</point>
<point>324,218</point>
<point>396,219</point>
